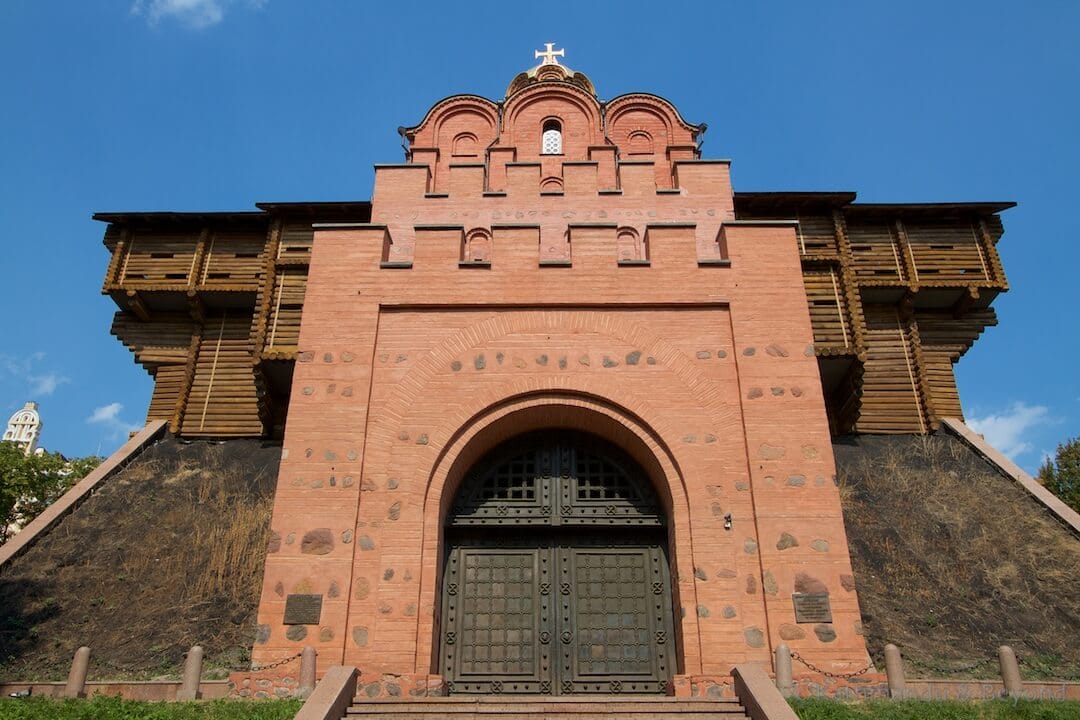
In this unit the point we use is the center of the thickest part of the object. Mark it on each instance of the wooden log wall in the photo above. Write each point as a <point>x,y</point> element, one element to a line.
<point>223,400</point>
<point>212,305</point>
<point>206,301</point>
<point>896,294</point>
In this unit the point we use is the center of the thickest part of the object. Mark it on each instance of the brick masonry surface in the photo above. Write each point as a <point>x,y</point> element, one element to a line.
<point>610,292</point>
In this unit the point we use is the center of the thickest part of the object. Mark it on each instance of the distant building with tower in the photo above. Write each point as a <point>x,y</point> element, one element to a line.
<point>24,428</point>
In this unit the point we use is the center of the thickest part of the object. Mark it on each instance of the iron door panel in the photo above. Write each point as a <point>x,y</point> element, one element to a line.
<point>497,620</point>
<point>614,623</point>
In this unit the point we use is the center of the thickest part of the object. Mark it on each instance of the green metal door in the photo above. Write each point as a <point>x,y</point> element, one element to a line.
<point>573,601</point>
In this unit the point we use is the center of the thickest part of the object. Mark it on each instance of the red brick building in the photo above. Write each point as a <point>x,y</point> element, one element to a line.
<point>557,424</point>
<point>556,405</point>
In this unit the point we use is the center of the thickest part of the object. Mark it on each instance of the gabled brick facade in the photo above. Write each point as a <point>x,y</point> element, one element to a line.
<point>608,289</point>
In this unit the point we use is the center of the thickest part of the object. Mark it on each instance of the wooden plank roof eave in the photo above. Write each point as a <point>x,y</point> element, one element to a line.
<point>357,208</point>
<point>351,209</point>
<point>751,201</point>
<point>929,210</point>
<point>181,218</point>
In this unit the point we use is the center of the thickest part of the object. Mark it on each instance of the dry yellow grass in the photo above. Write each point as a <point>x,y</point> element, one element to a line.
<point>166,555</point>
<point>952,559</point>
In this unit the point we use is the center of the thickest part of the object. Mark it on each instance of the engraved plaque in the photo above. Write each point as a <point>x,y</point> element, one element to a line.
<point>302,609</point>
<point>812,607</point>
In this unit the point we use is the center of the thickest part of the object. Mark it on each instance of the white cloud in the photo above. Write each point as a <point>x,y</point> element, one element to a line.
<point>195,14</point>
<point>44,385</point>
<point>1008,430</point>
<point>26,371</point>
<point>105,413</point>
<point>108,417</point>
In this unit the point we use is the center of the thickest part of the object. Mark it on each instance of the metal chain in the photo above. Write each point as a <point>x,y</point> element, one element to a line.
<point>238,668</point>
<point>826,673</point>
<point>279,663</point>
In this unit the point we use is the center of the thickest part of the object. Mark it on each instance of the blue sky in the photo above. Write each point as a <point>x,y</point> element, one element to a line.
<point>117,105</point>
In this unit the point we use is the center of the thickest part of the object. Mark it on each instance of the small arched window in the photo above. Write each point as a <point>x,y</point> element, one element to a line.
<point>551,142</point>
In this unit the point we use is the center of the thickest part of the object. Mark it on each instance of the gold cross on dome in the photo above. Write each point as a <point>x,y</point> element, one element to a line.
<point>550,54</point>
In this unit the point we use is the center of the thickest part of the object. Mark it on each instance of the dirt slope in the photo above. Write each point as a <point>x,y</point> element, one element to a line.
<point>168,554</point>
<point>952,559</point>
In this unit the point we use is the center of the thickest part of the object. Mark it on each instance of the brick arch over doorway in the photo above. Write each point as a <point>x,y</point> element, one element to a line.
<point>572,411</point>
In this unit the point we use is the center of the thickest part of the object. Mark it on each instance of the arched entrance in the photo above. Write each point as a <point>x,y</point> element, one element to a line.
<point>556,575</point>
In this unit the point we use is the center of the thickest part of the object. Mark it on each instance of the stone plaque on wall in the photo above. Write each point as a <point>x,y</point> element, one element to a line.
<point>812,607</point>
<point>302,609</point>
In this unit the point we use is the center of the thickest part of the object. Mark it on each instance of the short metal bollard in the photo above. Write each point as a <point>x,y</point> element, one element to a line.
<point>894,671</point>
<point>76,682</point>
<point>189,688</point>
<point>785,683</point>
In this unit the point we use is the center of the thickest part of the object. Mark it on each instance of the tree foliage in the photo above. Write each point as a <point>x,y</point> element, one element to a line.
<point>1061,475</point>
<point>30,483</point>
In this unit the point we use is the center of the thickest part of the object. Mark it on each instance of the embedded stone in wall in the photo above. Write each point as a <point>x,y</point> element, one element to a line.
<point>825,633</point>
<point>755,637</point>
<point>786,541</point>
<point>296,633</point>
<point>770,452</point>
<point>319,541</point>
<point>360,636</point>
<point>791,632</point>
<point>768,583</point>
<point>806,583</point>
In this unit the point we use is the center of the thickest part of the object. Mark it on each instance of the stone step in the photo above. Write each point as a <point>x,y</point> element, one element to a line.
<point>561,708</point>
<point>512,714</point>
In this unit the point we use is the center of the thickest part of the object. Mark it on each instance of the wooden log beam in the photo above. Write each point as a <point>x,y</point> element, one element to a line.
<point>137,305</point>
